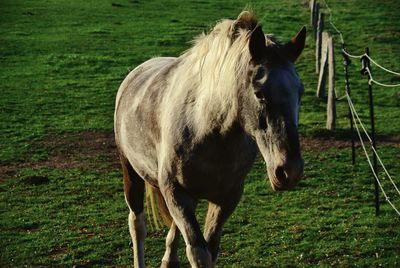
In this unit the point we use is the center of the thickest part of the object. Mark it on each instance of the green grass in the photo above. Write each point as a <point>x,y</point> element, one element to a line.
<point>61,63</point>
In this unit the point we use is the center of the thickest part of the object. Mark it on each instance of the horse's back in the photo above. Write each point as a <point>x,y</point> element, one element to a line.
<point>132,83</point>
<point>136,122</point>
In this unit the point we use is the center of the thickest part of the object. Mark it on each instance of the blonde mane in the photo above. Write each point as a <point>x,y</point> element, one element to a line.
<point>215,68</point>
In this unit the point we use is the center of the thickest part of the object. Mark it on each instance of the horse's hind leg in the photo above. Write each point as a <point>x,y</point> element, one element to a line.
<point>134,196</point>
<point>171,259</point>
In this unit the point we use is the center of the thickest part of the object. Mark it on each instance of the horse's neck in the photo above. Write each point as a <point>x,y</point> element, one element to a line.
<point>215,111</point>
<point>212,102</point>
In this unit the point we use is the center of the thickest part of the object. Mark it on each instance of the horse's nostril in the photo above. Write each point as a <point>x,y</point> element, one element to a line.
<point>280,173</point>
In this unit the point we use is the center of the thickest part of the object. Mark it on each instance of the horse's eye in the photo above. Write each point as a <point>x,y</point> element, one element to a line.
<point>260,77</point>
<point>259,95</point>
<point>260,74</point>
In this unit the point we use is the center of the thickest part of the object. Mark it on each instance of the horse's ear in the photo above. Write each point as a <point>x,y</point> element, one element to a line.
<point>257,44</point>
<point>294,47</point>
<point>246,21</point>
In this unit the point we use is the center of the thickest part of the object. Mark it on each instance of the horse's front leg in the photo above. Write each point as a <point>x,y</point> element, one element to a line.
<point>171,259</point>
<point>216,217</point>
<point>182,208</point>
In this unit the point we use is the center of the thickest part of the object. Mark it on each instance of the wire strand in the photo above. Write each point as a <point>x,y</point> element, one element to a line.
<point>341,98</point>
<point>380,66</point>
<point>353,56</point>
<point>356,56</point>
<point>355,115</point>
<point>366,154</point>
<point>370,140</point>
<point>372,80</point>
<point>331,22</point>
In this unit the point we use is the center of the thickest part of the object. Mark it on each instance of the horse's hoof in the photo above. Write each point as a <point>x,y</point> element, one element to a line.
<point>170,264</point>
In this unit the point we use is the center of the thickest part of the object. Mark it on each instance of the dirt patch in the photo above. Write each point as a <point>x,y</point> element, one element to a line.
<point>323,143</point>
<point>85,150</point>
<point>85,144</point>
<point>96,150</point>
<point>58,252</point>
<point>36,180</point>
<point>34,227</point>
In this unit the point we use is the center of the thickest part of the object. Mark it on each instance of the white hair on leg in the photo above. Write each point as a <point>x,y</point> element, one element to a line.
<point>137,229</point>
<point>171,245</point>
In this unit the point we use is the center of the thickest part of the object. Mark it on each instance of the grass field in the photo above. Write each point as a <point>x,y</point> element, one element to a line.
<point>61,198</point>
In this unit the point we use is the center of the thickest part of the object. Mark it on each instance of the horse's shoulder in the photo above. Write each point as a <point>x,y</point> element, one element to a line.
<point>144,72</point>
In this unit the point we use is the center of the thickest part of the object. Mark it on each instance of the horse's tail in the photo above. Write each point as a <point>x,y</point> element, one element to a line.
<point>155,205</point>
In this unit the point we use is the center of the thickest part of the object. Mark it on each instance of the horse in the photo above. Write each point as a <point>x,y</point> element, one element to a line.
<point>190,127</point>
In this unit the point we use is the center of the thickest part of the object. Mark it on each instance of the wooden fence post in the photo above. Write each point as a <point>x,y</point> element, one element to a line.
<point>323,66</point>
<point>315,22</point>
<point>331,105</point>
<point>318,42</point>
<point>312,7</point>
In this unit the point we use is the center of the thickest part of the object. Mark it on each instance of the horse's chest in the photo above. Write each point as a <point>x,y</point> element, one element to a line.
<point>217,166</point>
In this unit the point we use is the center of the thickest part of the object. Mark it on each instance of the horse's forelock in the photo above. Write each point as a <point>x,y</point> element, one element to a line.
<point>227,37</point>
<point>246,20</point>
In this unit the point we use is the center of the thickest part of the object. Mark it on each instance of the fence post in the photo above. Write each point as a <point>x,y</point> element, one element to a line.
<point>312,7</point>
<point>318,46</point>
<point>366,65</point>
<point>331,105</point>
<point>311,4</point>
<point>315,18</point>
<point>346,63</point>
<point>323,66</point>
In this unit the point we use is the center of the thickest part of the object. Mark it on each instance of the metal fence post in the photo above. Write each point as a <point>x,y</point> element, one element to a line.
<point>346,63</point>
<point>367,71</point>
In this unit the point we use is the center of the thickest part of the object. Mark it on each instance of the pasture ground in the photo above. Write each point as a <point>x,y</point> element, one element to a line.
<point>61,198</point>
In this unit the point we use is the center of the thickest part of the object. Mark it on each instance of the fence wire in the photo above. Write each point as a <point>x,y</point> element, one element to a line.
<point>370,140</point>
<point>357,120</point>
<point>372,80</point>
<point>362,55</point>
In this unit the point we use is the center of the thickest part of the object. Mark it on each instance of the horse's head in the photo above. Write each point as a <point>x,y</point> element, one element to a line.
<point>270,105</point>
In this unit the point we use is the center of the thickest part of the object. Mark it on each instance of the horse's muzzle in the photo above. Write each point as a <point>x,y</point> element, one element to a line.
<point>286,176</point>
